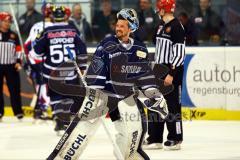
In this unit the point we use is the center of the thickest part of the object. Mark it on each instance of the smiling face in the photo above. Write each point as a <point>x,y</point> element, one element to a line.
<point>122,29</point>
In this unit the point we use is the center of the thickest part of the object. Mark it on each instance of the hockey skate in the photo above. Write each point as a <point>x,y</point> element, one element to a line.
<point>60,127</point>
<point>172,145</point>
<point>151,146</point>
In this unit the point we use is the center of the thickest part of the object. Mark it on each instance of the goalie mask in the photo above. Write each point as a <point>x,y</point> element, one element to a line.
<point>131,16</point>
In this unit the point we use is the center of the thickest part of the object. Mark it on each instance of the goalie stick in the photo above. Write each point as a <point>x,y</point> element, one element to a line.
<point>117,150</point>
<point>77,119</point>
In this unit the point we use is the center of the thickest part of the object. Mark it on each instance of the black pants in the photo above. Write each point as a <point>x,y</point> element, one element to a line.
<point>13,83</point>
<point>174,120</point>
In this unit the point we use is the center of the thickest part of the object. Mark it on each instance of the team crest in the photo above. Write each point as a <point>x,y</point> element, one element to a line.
<point>141,54</point>
<point>168,29</point>
<point>97,64</point>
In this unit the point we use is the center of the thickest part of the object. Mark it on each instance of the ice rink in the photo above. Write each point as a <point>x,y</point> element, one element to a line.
<point>202,140</point>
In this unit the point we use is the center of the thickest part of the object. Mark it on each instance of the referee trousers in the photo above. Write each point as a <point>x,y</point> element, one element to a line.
<point>13,82</point>
<point>174,120</point>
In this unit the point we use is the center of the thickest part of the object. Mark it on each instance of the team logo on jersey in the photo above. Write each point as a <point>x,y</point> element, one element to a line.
<point>141,54</point>
<point>97,64</point>
<point>61,34</point>
<point>130,69</point>
<point>168,29</point>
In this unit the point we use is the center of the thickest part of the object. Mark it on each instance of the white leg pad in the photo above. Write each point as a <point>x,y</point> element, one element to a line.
<point>79,133</point>
<point>129,129</point>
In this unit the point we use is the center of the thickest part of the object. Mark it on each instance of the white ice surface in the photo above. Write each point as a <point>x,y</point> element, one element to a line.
<point>202,140</point>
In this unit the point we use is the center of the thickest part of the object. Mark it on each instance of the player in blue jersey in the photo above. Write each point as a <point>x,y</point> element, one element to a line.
<point>120,78</point>
<point>119,65</point>
<point>53,44</point>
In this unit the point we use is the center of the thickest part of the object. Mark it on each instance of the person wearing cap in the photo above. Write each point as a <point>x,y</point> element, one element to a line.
<point>10,64</point>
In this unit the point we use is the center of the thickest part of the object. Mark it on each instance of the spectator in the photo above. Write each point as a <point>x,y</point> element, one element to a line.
<point>184,6</point>
<point>190,29</point>
<point>147,21</point>
<point>209,24</point>
<point>112,24</point>
<point>29,18</point>
<point>100,21</point>
<point>78,18</point>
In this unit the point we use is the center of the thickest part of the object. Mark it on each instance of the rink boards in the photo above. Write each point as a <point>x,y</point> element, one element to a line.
<point>187,113</point>
<point>211,86</point>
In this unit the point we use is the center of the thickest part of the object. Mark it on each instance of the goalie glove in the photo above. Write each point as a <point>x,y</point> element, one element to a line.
<point>156,102</point>
<point>158,105</point>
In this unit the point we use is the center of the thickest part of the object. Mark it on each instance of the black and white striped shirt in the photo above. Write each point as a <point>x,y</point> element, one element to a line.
<point>170,44</point>
<point>10,49</point>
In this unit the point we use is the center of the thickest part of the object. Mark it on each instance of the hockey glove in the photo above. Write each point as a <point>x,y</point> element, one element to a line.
<point>156,102</point>
<point>158,105</point>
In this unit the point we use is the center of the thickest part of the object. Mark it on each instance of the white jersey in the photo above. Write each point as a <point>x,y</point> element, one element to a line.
<point>36,29</point>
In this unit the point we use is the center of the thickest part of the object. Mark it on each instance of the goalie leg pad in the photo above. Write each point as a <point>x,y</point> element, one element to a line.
<point>130,130</point>
<point>82,128</point>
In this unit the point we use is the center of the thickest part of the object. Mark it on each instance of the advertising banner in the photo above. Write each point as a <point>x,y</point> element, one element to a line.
<point>212,78</point>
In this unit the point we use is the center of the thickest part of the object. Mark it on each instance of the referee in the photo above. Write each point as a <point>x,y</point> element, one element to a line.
<point>10,53</point>
<point>170,51</point>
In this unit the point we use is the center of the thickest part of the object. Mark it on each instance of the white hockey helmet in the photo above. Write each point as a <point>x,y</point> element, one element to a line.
<point>130,15</point>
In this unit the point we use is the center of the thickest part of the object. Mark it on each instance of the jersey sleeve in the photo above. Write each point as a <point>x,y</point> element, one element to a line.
<point>178,40</point>
<point>39,49</point>
<point>96,74</point>
<point>18,49</point>
<point>81,53</point>
<point>41,44</point>
<point>30,41</point>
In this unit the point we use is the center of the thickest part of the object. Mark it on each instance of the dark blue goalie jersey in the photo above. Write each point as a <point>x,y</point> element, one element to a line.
<point>118,68</point>
<point>54,44</point>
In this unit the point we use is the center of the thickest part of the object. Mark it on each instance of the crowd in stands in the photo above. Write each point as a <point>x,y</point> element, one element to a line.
<point>203,26</point>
